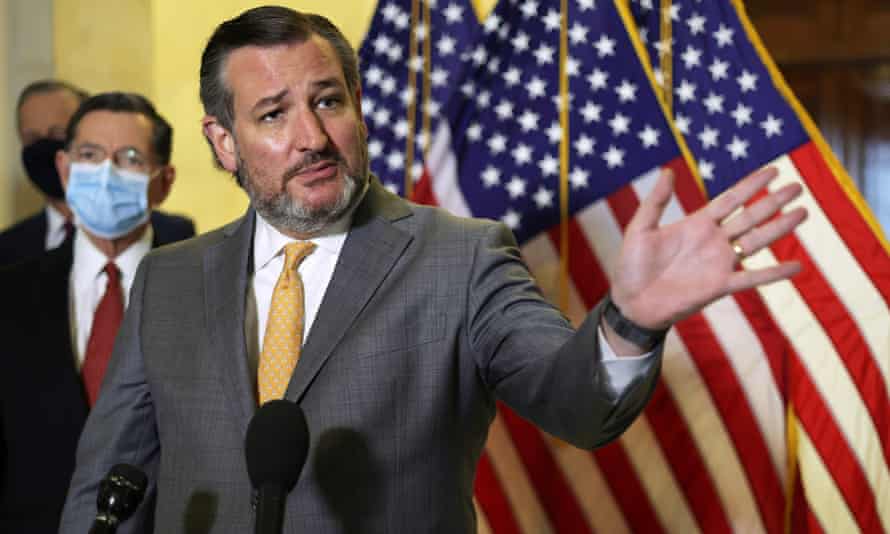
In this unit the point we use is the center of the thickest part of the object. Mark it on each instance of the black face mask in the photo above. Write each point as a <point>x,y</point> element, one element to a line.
<point>39,159</point>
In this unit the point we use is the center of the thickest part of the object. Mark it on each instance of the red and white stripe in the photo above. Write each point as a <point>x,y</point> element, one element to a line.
<point>709,454</point>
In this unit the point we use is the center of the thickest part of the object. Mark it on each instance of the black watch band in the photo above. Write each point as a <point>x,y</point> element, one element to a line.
<point>629,330</point>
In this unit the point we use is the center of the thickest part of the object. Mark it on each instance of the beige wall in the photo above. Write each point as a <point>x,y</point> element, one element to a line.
<point>154,47</point>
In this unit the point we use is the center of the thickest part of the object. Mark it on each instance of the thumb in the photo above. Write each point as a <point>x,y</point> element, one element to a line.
<point>651,208</point>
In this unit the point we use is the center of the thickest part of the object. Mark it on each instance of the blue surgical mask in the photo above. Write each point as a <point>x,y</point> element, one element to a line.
<point>107,201</point>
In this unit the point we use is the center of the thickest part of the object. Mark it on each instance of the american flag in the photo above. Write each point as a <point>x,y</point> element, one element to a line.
<point>709,454</point>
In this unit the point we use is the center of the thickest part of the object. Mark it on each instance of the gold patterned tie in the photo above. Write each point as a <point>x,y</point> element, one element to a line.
<point>284,328</point>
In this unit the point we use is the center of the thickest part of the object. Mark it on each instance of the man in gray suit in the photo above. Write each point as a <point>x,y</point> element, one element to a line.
<point>414,321</point>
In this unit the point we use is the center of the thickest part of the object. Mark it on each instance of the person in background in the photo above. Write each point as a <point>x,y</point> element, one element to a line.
<point>43,110</point>
<point>62,309</point>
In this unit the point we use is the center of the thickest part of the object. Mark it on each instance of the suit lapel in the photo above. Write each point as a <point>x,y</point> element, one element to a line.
<point>227,268</point>
<point>369,254</point>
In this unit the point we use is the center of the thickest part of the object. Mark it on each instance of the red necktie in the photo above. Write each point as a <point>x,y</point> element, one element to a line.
<point>106,321</point>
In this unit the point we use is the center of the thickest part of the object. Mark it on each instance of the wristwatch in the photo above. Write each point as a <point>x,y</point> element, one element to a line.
<point>629,330</point>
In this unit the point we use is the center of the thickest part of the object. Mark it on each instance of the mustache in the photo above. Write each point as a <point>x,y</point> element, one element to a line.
<point>311,159</point>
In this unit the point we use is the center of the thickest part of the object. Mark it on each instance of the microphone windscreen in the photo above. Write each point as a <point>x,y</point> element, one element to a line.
<point>277,444</point>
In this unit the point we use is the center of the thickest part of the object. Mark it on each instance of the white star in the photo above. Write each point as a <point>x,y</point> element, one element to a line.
<point>646,5</point>
<point>557,101</point>
<point>771,126</point>
<point>491,177</point>
<point>416,63</point>
<point>552,20</point>
<point>529,8</point>
<point>446,45</point>
<point>738,148</point>
<point>483,99</point>
<point>439,77</point>
<point>381,44</point>
<point>719,70</point>
<point>714,103</point>
<point>528,120</point>
<point>390,12</point>
<point>503,32</point>
<point>536,88</point>
<point>659,76</point>
<point>543,198</point>
<point>492,23</point>
<point>691,57</point>
<point>686,91</point>
<point>454,13</point>
<point>644,35</point>
<point>627,92</point>
<point>578,33</point>
<point>511,219</point>
<point>554,132</point>
<point>573,66</point>
<point>614,157</point>
<point>549,166</point>
<point>708,137</point>
<point>497,144</point>
<point>381,117</point>
<point>504,109</point>
<point>649,136</point>
<point>516,187</point>
<point>402,21</point>
<point>724,35</point>
<point>395,160</point>
<point>474,132</point>
<point>373,75</point>
<point>494,65</point>
<point>742,115</point>
<point>512,76</point>
<point>468,89</point>
<point>579,178</point>
<point>375,149</point>
<point>544,54</point>
<point>584,145</point>
<point>675,12</point>
<point>584,5</point>
<point>521,42</point>
<point>479,55</point>
<point>664,45</point>
<point>394,54</point>
<point>400,129</point>
<point>591,112</point>
<point>420,32</point>
<point>597,79</point>
<point>619,124</point>
<point>683,122</point>
<point>706,169</point>
<point>696,24</point>
<point>522,154</point>
<point>605,46</point>
<point>747,81</point>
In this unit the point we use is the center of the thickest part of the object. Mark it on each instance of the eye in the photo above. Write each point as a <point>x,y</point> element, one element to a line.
<point>272,115</point>
<point>329,102</point>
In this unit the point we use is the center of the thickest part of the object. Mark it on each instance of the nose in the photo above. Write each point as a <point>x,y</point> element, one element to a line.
<point>310,134</point>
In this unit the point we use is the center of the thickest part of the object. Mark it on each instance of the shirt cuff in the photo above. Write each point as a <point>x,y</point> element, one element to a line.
<point>621,371</point>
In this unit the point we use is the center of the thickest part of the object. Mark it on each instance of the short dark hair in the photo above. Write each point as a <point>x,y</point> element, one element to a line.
<point>265,26</point>
<point>161,131</point>
<point>48,85</point>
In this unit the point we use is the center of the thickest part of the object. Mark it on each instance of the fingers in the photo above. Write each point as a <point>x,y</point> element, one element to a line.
<point>730,200</point>
<point>651,208</point>
<point>762,236</point>
<point>741,280</point>
<point>760,211</point>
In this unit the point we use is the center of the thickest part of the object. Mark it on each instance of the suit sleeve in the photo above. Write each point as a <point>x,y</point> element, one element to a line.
<point>120,428</point>
<point>533,360</point>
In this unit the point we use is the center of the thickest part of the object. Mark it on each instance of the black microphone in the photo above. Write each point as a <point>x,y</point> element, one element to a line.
<point>276,447</point>
<point>120,493</point>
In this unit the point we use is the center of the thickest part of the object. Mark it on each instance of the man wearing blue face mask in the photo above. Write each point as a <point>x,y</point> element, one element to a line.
<point>62,309</point>
<point>43,110</point>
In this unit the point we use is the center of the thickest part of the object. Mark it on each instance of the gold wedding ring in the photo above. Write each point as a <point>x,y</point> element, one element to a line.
<point>739,251</point>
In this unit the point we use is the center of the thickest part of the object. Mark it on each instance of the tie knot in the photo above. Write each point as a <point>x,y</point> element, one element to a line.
<point>112,271</point>
<point>295,252</point>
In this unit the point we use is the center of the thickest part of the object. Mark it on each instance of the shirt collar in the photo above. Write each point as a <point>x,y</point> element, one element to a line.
<point>89,261</point>
<point>268,241</point>
<point>54,218</point>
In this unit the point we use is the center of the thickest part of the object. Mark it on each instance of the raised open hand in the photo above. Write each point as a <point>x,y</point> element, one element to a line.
<point>666,273</point>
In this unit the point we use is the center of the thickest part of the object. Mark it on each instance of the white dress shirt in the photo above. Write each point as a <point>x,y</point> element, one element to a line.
<point>88,282</point>
<point>317,269</point>
<point>55,227</point>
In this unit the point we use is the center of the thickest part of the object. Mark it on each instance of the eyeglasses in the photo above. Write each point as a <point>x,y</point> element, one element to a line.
<point>127,158</point>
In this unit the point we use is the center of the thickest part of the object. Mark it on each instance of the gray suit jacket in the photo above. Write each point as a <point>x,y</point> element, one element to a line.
<point>428,319</point>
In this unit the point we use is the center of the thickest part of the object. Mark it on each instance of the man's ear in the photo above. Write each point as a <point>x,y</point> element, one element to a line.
<point>159,188</point>
<point>63,167</point>
<point>222,141</point>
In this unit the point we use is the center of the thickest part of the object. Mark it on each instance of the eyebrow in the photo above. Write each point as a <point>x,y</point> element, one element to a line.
<point>270,100</point>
